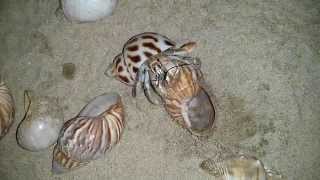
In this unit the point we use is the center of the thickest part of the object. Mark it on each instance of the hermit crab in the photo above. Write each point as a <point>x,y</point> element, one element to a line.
<point>178,82</point>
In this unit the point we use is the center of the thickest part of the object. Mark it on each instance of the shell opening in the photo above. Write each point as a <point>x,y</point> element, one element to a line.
<point>198,112</point>
<point>99,104</point>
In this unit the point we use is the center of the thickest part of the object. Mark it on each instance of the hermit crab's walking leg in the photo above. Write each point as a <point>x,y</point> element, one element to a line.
<point>143,77</point>
<point>146,86</point>
<point>139,79</point>
<point>184,49</point>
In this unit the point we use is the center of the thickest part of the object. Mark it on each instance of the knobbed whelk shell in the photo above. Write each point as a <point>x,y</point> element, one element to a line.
<point>96,129</point>
<point>7,109</point>
<point>41,124</point>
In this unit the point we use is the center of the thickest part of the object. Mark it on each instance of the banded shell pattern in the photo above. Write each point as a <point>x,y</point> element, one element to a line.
<point>96,129</point>
<point>179,81</point>
<point>187,102</point>
<point>7,109</point>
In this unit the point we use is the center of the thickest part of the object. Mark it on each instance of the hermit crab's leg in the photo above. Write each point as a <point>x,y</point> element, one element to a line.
<point>139,78</point>
<point>184,49</point>
<point>152,84</point>
<point>146,86</point>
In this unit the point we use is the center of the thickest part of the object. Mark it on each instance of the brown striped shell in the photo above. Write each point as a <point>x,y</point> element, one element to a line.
<point>88,136</point>
<point>187,101</point>
<point>183,92</point>
<point>7,109</point>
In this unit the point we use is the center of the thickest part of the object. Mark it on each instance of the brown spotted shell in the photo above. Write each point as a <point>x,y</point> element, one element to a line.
<point>88,136</point>
<point>7,109</point>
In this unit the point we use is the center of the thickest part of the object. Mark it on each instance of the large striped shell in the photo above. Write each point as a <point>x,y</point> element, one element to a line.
<point>187,102</point>
<point>135,52</point>
<point>88,136</point>
<point>7,109</point>
<point>182,90</point>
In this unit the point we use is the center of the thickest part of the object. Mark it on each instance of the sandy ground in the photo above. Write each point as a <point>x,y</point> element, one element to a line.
<point>261,60</point>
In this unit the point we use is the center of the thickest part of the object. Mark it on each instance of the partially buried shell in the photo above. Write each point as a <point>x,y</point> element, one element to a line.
<point>239,167</point>
<point>242,167</point>
<point>7,109</point>
<point>41,124</point>
<point>97,128</point>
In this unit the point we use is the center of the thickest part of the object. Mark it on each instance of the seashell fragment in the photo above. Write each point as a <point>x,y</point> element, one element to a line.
<point>239,168</point>
<point>41,124</point>
<point>86,137</point>
<point>7,109</point>
<point>87,10</point>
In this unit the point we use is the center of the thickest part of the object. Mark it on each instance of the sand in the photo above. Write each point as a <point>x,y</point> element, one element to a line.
<point>261,60</point>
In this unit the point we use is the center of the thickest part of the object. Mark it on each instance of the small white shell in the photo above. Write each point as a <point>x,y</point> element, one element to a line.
<point>7,109</point>
<point>96,129</point>
<point>87,10</point>
<point>41,124</point>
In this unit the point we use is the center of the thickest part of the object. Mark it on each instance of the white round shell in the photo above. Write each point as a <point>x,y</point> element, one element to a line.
<point>41,129</point>
<point>87,10</point>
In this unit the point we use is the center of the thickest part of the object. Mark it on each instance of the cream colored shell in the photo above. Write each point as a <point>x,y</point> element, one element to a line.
<point>41,124</point>
<point>7,109</point>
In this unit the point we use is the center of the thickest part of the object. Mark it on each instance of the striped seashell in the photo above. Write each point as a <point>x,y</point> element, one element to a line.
<point>135,52</point>
<point>239,167</point>
<point>179,81</point>
<point>187,102</point>
<point>96,129</point>
<point>7,109</point>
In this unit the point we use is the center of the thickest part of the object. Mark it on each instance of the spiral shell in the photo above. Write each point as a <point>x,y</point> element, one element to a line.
<point>182,88</point>
<point>7,109</point>
<point>188,103</point>
<point>239,167</point>
<point>96,129</point>
<point>41,124</point>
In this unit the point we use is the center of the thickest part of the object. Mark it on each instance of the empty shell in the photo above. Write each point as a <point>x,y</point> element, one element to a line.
<point>96,129</point>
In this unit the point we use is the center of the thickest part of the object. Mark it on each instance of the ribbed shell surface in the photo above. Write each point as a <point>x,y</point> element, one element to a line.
<point>185,98</point>
<point>83,139</point>
<point>181,86</point>
<point>7,109</point>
